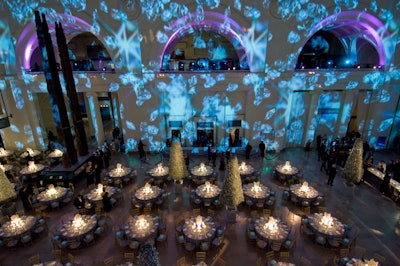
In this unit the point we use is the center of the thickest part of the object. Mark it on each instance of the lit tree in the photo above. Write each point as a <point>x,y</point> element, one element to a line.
<point>7,192</point>
<point>353,169</point>
<point>177,167</point>
<point>232,192</point>
<point>148,256</point>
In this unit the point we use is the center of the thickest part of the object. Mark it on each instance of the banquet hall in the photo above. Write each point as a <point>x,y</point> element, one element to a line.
<point>120,83</point>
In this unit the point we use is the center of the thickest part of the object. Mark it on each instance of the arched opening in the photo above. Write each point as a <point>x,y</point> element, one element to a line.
<point>208,41</point>
<point>346,40</point>
<point>87,53</point>
<point>202,50</point>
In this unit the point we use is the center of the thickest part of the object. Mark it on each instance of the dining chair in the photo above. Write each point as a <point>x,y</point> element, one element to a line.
<point>276,246</point>
<point>344,252</point>
<point>321,209</point>
<point>259,261</point>
<point>57,254</point>
<point>181,261</point>
<point>26,238</point>
<point>109,261</point>
<point>284,255</point>
<point>269,255</point>
<point>267,212</point>
<point>210,212</point>
<point>129,256</point>
<point>147,210</point>
<point>201,256</point>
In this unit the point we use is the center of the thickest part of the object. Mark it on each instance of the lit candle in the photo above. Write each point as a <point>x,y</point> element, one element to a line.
<point>256,187</point>
<point>271,225</point>
<point>243,166</point>
<point>208,186</point>
<point>119,168</point>
<point>142,223</point>
<point>198,225</point>
<point>287,166</point>
<point>51,191</point>
<point>78,221</point>
<point>147,189</point>
<point>100,189</point>
<point>31,166</point>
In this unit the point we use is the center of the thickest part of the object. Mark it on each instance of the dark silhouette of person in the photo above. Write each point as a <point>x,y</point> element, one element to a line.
<point>107,206</point>
<point>222,162</point>
<point>79,202</point>
<point>261,146</point>
<point>141,150</point>
<point>248,150</point>
<point>385,185</point>
<point>25,198</point>
<point>332,174</point>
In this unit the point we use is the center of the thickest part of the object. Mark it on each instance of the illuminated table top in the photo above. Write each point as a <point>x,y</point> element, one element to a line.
<point>33,153</point>
<point>278,231</point>
<point>205,230</point>
<point>304,191</point>
<point>55,154</point>
<point>17,227</point>
<point>141,227</point>
<point>246,169</point>
<point>6,167</point>
<point>159,171</point>
<point>29,170</point>
<point>208,191</point>
<point>362,262</point>
<point>52,194</point>
<point>202,170</point>
<point>286,170</point>
<point>5,153</point>
<point>256,191</point>
<point>77,227</point>
<point>49,263</point>
<point>148,193</point>
<point>335,227</point>
<point>119,172</point>
<point>97,195</point>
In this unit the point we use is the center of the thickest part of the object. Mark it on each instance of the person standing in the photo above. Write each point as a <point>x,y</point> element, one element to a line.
<point>107,206</point>
<point>261,146</point>
<point>385,185</point>
<point>141,150</point>
<point>248,150</point>
<point>332,174</point>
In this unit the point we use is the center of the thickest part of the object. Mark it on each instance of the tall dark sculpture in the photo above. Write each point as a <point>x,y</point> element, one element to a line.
<point>54,87</point>
<point>80,134</point>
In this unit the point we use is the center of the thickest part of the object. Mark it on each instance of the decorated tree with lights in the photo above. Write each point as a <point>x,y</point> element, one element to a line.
<point>232,192</point>
<point>148,255</point>
<point>353,169</point>
<point>7,192</point>
<point>177,167</point>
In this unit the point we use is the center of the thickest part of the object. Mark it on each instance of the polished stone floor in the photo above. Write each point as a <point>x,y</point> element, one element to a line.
<point>374,214</point>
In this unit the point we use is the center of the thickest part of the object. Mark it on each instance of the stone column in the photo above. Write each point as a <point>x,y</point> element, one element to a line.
<point>95,115</point>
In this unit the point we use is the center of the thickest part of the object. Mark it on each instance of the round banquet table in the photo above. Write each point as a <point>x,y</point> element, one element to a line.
<point>7,230</point>
<point>159,175</point>
<point>335,230</point>
<point>45,197</point>
<point>213,193</point>
<point>311,194</point>
<point>95,197</point>
<point>68,231</point>
<point>33,154</point>
<point>5,154</point>
<point>49,263</point>
<point>249,192</point>
<point>278,235</point>
<point>27,171</point>
<point>133,231</point>
<point>246,171</point>
<point>195,236</point>
<point>286,172</point>
<point>197,172</point>
<point>114,173</point>
<point>148,197</point>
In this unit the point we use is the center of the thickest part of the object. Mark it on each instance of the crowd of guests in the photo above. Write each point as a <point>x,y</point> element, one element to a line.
<point>334,153</point>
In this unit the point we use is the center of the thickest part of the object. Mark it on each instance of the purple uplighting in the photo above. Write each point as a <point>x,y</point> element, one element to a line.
<point>348,23</point>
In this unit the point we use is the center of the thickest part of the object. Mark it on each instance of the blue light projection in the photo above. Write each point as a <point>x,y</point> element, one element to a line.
<point>283,113</point>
